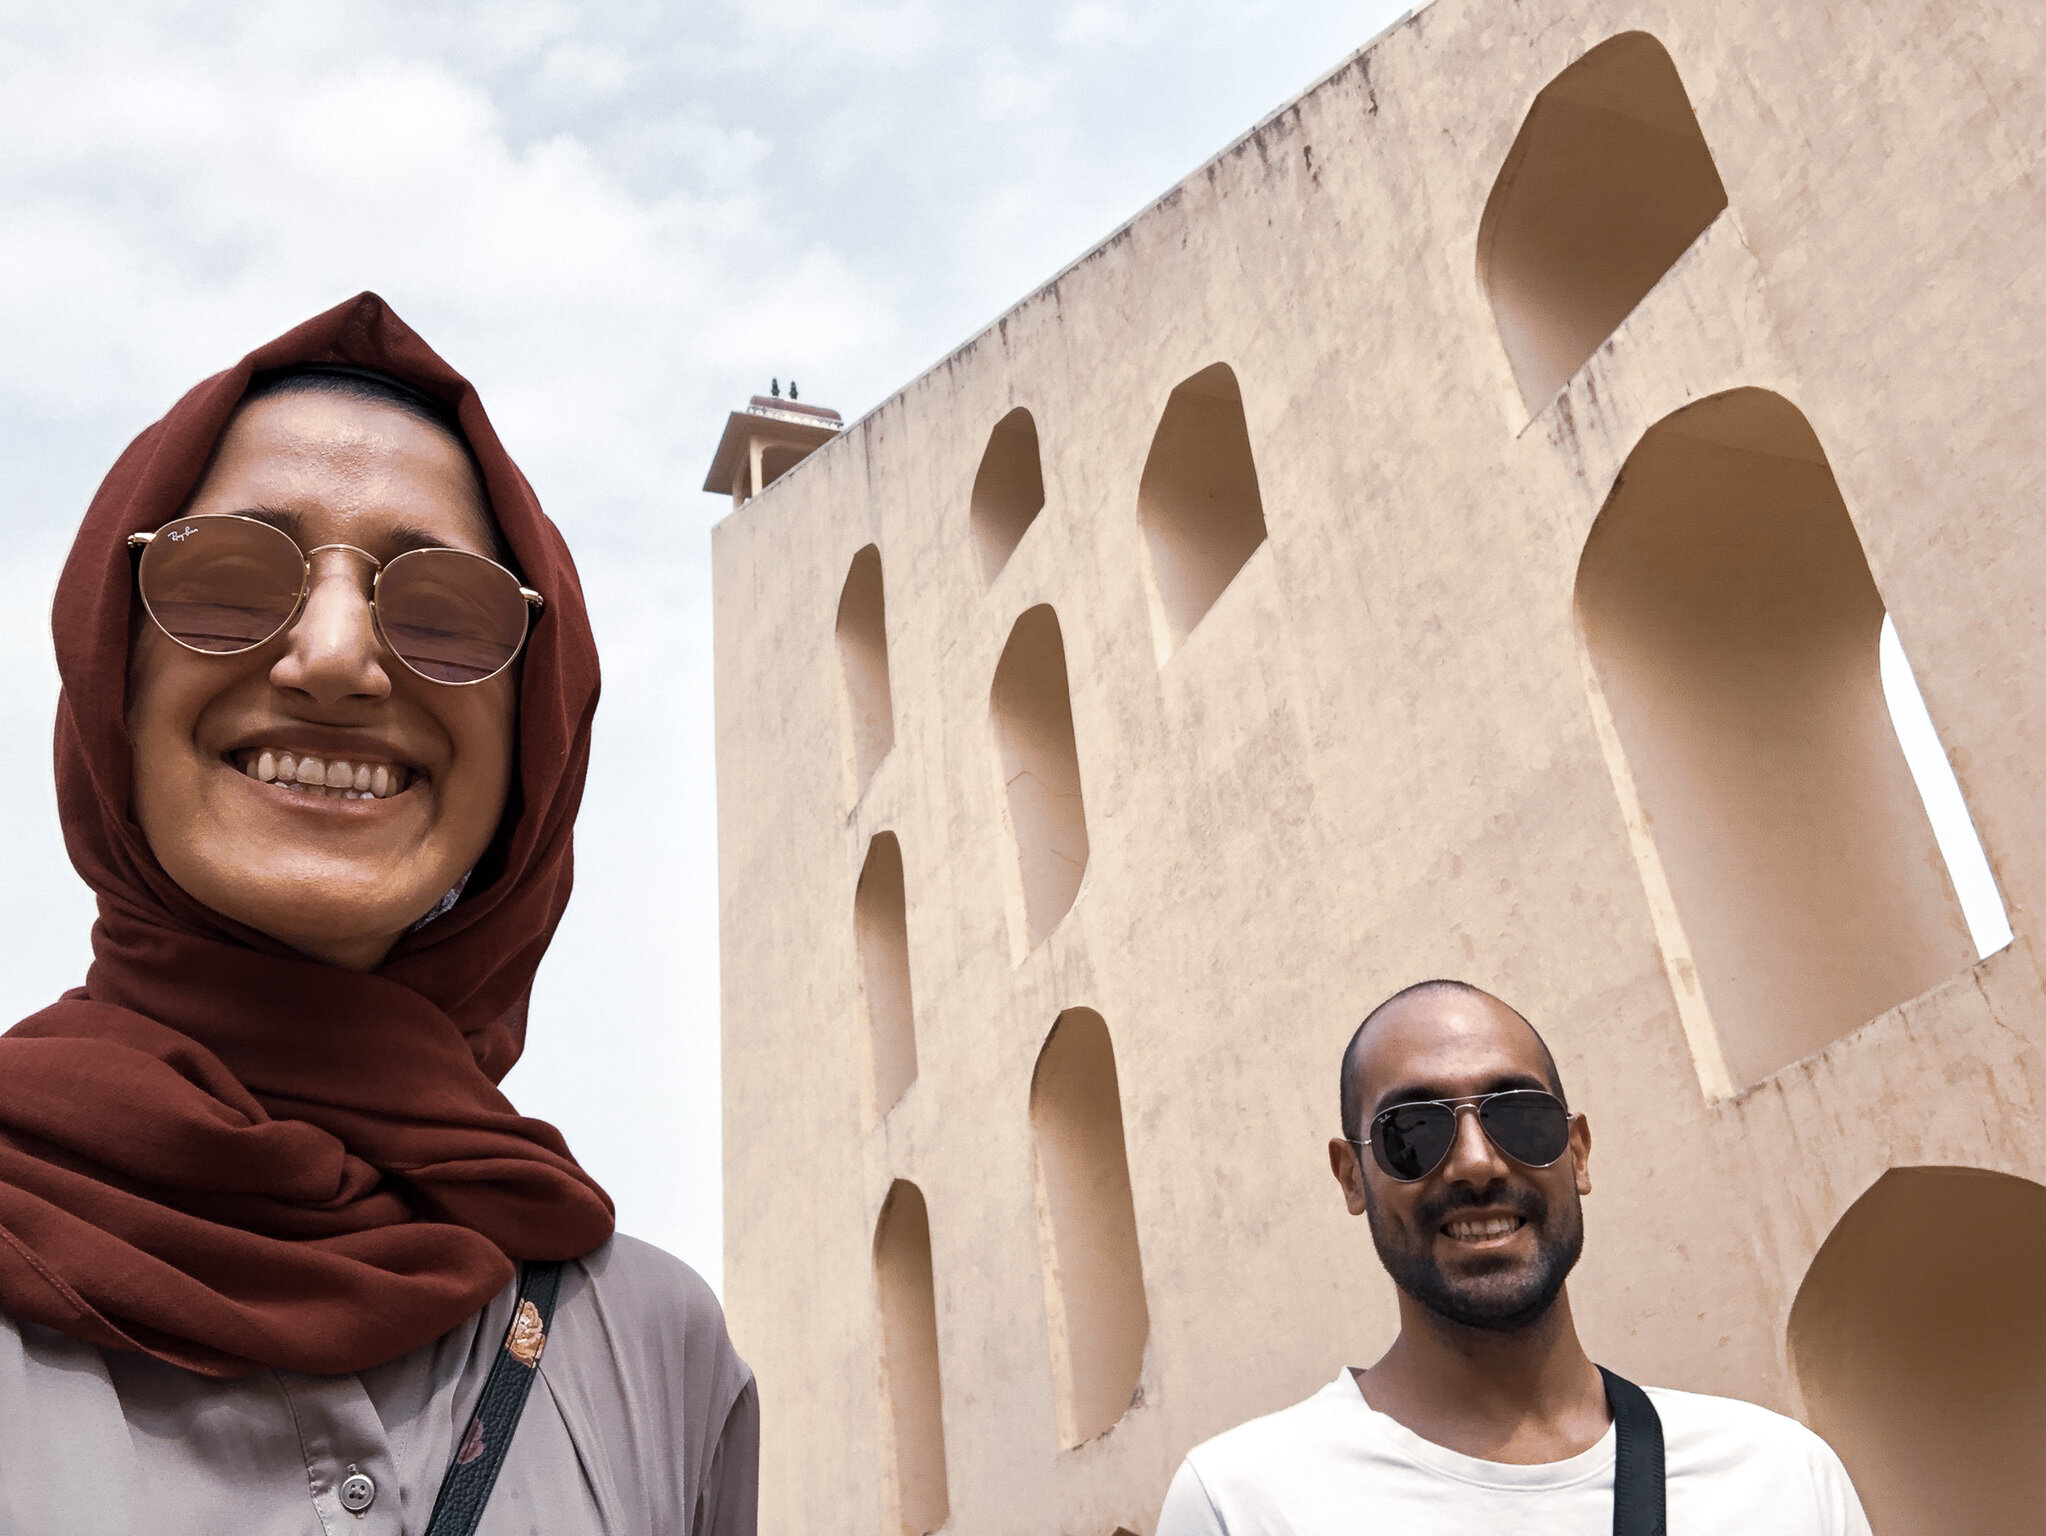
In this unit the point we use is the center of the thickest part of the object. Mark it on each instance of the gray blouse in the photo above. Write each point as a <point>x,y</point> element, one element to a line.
<point>643,1420</point>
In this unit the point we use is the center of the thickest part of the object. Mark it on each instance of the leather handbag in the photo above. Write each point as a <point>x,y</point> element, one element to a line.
<point>473,1473</point>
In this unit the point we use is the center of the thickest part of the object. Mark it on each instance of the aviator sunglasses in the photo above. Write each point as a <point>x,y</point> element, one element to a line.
<point>220,584</point>
<point>1410,1141</point>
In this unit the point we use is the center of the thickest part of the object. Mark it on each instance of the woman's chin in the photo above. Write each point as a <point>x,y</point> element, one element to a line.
<point>352,938</point>
<point>334,910</point>
<point>339,880</point>
<point>363,954</point>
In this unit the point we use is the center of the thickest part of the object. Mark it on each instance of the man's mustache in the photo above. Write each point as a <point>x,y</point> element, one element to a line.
<point>1527,1204</point>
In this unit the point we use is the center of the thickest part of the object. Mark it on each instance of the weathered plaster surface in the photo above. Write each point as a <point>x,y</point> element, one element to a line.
<point>1375,758</point>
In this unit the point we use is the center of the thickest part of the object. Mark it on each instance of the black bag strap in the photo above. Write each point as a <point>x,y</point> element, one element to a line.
<point>1638,1493</point>
<point>473,1472</point>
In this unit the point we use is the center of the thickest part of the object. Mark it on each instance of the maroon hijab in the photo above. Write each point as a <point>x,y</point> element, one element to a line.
<point>230,1156</point>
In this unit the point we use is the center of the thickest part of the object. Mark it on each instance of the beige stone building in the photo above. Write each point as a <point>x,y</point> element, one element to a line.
<point>1447,534</point>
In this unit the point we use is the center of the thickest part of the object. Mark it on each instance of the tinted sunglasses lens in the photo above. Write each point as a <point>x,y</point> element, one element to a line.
<point>451,616</point>
<point>221,584</point>
<point>1411,1140</point>
<point>1530,1128</point>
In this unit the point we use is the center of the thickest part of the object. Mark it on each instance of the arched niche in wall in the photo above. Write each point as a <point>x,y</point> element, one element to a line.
<point>1087,1228</point>
<point>1198,502</point>
<point>1032,712</point>
<point>912,1395</point>
<point>881,921</point>
<point>1920,1348</point>
<point>1008,491</point>
<point>1606,186</point>
<point>863,666</point>
<point>1731,626</point>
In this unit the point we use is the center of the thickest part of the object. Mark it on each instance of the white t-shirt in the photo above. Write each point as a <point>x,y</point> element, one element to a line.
<point>1334,1466</point>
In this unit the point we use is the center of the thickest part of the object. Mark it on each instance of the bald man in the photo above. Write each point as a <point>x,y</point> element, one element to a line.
<point>1486,1415</point>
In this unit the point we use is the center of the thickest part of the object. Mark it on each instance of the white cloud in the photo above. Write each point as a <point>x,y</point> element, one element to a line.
<point>1089,23</point>
<point>1011,89</point>
<point>618,221</point>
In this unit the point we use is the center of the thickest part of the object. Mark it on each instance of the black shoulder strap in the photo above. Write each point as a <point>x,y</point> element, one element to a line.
<point>473,1472</point>
<point>1638,1494</point>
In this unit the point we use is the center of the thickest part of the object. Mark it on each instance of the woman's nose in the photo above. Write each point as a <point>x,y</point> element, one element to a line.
<point>331,651</point>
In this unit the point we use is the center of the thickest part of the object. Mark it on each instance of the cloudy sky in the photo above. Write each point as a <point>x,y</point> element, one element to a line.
<point>619,221</point>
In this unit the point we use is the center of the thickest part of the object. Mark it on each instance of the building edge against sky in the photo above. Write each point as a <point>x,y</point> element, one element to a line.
<point>1449,533</point>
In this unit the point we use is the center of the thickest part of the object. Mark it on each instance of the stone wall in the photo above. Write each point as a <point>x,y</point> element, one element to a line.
<point>1341,653</point>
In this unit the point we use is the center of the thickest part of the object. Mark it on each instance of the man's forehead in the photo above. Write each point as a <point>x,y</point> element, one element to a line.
<point>1447,1039</point>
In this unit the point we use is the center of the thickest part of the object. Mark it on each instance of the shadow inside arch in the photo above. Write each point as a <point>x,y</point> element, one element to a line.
<point>1919,1342</point>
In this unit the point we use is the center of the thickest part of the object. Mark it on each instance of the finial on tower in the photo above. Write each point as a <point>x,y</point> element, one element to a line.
<point>765,441</point>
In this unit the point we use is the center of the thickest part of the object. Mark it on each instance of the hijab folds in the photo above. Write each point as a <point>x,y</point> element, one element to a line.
<point>230,1156</point>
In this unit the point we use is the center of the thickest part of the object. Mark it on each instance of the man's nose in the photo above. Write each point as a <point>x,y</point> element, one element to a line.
<point>1472,1157</point>
<point>331,651</point>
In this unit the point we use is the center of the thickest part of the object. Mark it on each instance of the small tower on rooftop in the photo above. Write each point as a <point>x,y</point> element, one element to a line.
<point>764,442</point>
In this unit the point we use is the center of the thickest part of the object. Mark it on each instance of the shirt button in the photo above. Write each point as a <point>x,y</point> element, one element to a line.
<point>357,1493</point>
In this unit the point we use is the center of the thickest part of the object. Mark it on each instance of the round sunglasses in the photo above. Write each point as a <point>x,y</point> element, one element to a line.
<point>221,583</point>
<point>1410,1141</point>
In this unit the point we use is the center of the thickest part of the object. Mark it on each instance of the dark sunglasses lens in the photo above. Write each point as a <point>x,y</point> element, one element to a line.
<point>1530,1128</point>
<point>221,584</point>
<point>1411,1140</point>
<point>451,616</point>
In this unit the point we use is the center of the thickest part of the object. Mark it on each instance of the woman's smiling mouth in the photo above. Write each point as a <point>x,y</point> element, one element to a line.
<point>332,778</point>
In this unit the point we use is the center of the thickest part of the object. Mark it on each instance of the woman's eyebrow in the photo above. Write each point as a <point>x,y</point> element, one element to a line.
<point>277,517</point>
<point>400,537</point>
<point>393,539</point>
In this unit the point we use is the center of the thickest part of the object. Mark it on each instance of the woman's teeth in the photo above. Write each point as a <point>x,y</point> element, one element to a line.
<point>1478,1231</point>
<point>335,778</point>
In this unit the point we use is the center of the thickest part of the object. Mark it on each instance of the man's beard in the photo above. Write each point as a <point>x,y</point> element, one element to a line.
<point>1498,1299</point>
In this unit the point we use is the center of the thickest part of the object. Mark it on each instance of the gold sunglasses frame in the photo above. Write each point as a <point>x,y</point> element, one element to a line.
<point>141,542</point>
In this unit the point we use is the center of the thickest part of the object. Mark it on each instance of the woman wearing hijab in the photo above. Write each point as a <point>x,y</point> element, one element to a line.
<point>276,1255</point>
